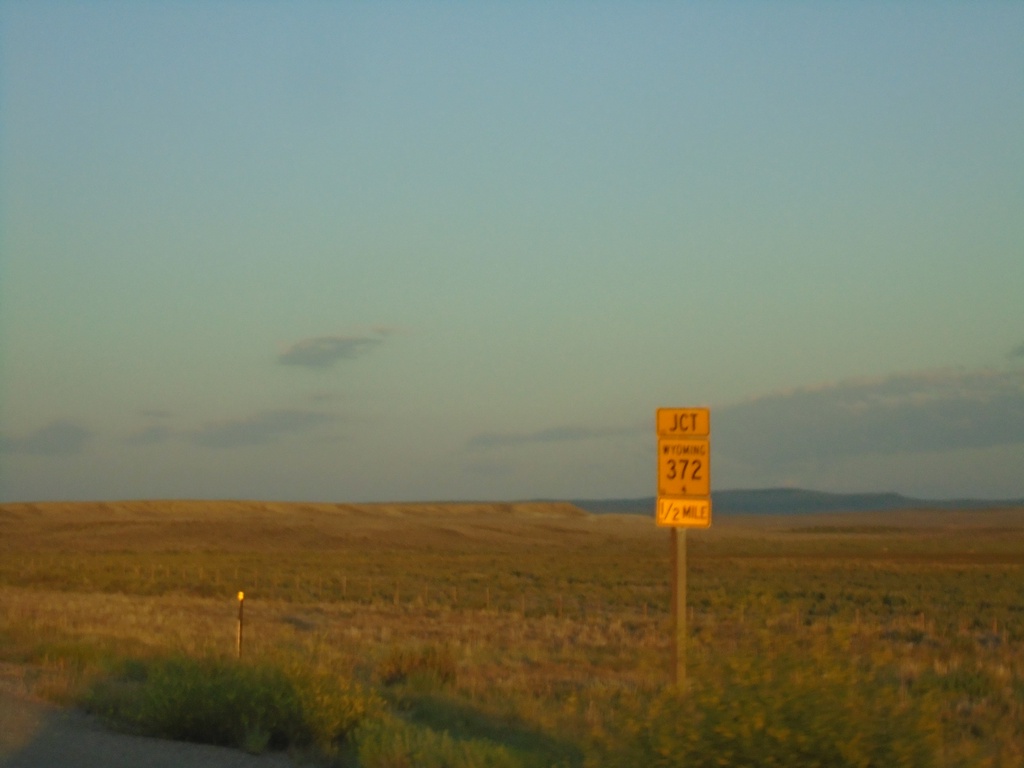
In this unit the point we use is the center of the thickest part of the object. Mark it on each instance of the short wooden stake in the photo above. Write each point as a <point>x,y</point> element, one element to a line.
<point>241,606</point>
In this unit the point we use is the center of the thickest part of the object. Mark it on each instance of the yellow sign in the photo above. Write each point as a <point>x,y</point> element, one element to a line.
<point>684,468</point>
<point>683,422</point>
<point>684,513</point>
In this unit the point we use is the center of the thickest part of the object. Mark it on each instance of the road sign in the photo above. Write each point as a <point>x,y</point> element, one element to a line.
<point>684,468</point>
<point>684,513</point>
<point>684,501</point>
<point>683,422</point>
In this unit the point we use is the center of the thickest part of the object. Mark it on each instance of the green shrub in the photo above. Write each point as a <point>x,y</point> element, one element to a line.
<point>393,743</point>
<point>333,707</point>
<point>251,707</point>
<point>782,717</point>
<point>205,701</point>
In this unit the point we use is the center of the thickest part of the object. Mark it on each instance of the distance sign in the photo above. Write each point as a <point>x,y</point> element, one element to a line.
<point>684,513</point>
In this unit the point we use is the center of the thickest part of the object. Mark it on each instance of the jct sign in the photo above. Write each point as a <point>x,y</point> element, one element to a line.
<point>683,422</point>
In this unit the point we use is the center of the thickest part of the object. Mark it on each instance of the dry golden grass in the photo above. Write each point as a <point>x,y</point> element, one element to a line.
<point>554,620</point>
<point>244,526</point>
<point>253,526</point>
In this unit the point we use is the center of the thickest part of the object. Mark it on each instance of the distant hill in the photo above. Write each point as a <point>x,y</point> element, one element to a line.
<point>794,501</point>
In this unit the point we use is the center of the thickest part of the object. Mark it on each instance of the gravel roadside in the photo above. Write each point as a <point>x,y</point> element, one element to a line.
<point>35,734</point>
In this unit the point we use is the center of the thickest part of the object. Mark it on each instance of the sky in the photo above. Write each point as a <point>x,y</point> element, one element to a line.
<point>354,251</point>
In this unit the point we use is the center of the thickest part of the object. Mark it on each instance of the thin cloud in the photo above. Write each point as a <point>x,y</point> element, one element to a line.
<point>59,438</point>
<point>151,435</point>
<point>324,397</point>
<point>926,412</point>
<point>559,434</point>
<point>156,413</point>
<point>326,351</point>
<point>260,429</point>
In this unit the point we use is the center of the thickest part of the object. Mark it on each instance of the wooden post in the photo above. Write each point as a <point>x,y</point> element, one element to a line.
<point>241,605</point>
<point>679,606</point>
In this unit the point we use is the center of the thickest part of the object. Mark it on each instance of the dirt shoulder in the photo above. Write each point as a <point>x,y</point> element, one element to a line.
<point>36,734</point>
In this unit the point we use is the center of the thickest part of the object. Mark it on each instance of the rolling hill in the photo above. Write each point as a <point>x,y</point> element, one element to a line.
<point>795,501</point>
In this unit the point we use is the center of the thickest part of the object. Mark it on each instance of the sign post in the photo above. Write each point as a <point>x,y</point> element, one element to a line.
<point>678,606</point>
<point>684,501</point>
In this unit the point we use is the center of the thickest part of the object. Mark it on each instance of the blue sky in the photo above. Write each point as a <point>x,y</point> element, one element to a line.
<point>410,251</point>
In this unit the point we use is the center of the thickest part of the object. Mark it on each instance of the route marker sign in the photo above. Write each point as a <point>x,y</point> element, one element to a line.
<point>683,468</point>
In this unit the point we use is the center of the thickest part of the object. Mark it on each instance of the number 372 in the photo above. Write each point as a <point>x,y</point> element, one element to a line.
<point>678,468</point>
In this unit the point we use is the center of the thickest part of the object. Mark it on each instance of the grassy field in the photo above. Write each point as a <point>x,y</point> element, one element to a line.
<point>525,634</point>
